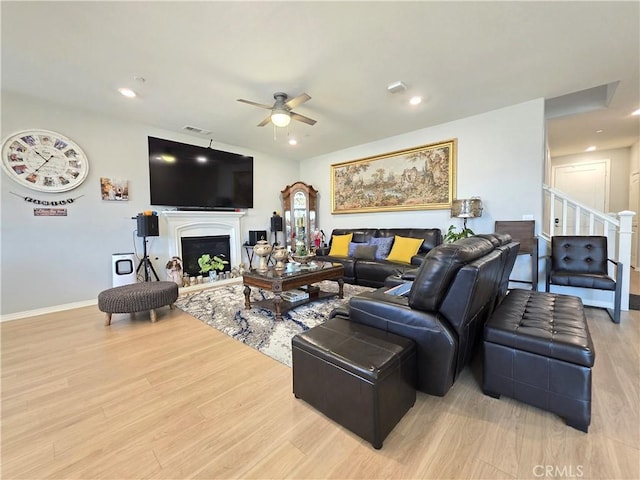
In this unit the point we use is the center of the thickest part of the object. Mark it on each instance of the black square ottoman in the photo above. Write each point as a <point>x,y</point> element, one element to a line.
<point>538,350</point>
<point>359,376</point>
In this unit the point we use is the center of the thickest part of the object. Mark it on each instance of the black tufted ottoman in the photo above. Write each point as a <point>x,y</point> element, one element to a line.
<point>359,376</point>
<point>137,297</point>
<point>537,349</point>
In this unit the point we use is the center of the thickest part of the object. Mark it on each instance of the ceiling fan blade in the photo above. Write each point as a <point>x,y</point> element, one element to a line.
<point>302,118</point>
<point>261,105</point>
<point>264,122</point>
<point>299,100</point>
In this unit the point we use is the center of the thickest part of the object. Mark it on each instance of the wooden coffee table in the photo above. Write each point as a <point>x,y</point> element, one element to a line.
<point>293,276</point>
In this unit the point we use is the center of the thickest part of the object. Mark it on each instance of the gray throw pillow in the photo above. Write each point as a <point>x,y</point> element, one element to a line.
<point>384,246</point>
<point>366,252</point>
<point>352,248</point>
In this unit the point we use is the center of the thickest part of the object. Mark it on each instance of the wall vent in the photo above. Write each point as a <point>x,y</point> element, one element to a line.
<point>201,131</point>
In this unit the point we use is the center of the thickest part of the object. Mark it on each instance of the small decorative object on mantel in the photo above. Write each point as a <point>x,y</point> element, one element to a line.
<point>174,270</point>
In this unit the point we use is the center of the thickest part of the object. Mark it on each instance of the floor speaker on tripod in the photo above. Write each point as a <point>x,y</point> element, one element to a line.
<point>276,226</point>
<point>148,226</point>
<point>276,223</point>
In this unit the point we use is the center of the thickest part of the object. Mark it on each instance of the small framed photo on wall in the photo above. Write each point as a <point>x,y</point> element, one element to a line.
<point>112,189</point>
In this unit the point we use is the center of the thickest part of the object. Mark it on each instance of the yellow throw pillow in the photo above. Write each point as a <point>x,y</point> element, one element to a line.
<point>340,245</point>
<point>404,248</point>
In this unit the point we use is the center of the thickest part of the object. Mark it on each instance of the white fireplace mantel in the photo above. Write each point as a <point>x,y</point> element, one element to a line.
<point>196,224</point>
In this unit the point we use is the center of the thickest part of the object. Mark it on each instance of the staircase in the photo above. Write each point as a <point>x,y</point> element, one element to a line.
<point>564,216</point>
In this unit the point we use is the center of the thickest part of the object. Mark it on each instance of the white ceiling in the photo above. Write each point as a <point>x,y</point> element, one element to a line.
<point>465,58</point>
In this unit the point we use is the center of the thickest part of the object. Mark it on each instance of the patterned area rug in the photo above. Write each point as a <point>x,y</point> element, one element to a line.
<point>223,309</point>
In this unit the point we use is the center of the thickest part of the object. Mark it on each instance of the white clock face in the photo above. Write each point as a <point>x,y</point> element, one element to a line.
<point>44,161</point>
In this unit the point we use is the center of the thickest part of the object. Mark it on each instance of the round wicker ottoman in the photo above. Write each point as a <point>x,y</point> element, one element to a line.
<point>137,297</point>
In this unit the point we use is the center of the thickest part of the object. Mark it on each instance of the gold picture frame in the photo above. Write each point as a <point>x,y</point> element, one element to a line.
<point>420,178</point>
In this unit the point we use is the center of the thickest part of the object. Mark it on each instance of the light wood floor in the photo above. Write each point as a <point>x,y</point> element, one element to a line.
<point>177,399</point>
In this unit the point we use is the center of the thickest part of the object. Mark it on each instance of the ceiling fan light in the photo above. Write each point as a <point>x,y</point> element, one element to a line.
<point>280,118</point>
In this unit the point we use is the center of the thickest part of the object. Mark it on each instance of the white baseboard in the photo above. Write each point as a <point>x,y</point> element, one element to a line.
<point>87,303</point>
<point>44,311</point>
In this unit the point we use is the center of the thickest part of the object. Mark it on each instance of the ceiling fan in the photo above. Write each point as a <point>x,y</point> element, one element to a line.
<point>281,113</point>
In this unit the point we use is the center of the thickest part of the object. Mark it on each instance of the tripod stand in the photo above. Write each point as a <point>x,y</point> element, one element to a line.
<point>148,266</point>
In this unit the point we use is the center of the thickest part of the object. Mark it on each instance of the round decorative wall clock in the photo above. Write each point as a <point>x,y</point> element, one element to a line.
<point>44,161</point>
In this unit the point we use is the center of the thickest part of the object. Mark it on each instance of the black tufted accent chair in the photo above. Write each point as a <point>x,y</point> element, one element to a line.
<point>581,261</point>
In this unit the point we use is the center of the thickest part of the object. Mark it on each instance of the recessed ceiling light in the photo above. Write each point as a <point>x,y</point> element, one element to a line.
<point>599,131</point>
<point>415,100</point>
<point>637,112</point>
<point>591,148</point>
<point>293,141</point>
<point>201,159</point>
<point>127,92</point>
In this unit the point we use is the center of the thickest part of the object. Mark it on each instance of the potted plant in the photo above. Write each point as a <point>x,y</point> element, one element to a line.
<point>208,263</point>
<point>452,235</point>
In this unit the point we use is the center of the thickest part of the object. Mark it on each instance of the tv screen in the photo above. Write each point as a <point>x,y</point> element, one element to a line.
<point>192,177</point>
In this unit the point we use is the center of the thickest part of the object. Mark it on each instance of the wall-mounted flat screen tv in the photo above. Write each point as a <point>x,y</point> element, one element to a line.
<point>191,177</point>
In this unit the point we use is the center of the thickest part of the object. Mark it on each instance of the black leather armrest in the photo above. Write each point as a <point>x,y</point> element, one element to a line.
<point>340,311</point>
<point>323,251</point>
<point>435,342</point>
<point>417,260</point>
<point>410,275</point>
<point>618,275</point>
<point>378,309</point>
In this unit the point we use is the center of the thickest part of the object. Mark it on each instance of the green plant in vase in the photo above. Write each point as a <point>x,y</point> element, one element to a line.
<point>452,235</point>
<point>301,250</point>
<point>208,263</point>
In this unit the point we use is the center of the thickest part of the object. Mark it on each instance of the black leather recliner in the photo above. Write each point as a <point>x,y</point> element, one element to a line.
<point>501,241</point>
<point>581,261</point>
<point>454,291</point>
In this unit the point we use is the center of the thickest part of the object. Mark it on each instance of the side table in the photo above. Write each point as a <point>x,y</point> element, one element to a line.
<point>249,250</point>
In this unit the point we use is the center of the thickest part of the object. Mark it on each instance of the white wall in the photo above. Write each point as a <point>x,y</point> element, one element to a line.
<point>52,261</point>
<point>619,170</point>
<point>500,159</point>
<point>634,158</point>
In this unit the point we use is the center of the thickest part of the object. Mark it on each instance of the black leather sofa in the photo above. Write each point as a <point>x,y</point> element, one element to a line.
<point>372,273</point>
<point>452,295</point>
